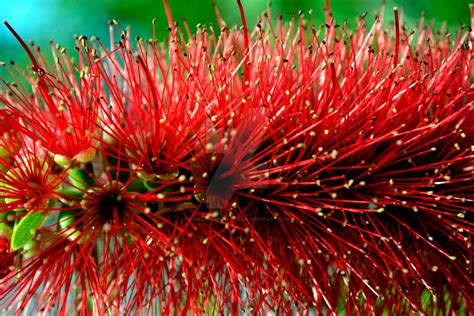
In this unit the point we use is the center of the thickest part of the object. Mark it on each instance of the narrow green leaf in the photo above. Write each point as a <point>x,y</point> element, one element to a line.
<point>80,179</point>
<point>23,232</point>
<point>67,218</point>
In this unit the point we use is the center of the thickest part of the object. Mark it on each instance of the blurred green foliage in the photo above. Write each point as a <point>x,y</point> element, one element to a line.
<point>59,20</point>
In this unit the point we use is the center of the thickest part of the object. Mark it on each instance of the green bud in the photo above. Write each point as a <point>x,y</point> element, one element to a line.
<point>170,175</point>
<point>5,231</point>
<point>62,160</point>
<point>86,155</point>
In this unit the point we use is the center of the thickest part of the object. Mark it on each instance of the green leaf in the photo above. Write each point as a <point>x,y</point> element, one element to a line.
<point>71,192</point>
<point>80,179</point>
<point>67,218</point>
<point>24,231</point>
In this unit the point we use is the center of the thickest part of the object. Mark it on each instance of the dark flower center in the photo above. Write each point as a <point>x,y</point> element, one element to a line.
<point>221,180</point>
<point>111,206</point>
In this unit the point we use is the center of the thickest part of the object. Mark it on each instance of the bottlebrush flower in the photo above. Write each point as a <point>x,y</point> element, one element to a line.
<point>290,168</point>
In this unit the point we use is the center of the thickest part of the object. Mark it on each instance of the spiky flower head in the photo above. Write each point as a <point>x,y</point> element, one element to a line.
<point>286,168</point>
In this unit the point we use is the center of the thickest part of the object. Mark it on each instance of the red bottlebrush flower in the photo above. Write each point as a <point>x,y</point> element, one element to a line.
<point>61,110</point>
<point>287,169</point>
<point>27,182</point>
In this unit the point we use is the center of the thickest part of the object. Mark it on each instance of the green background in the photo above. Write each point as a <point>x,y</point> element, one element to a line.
<point>59,20</point>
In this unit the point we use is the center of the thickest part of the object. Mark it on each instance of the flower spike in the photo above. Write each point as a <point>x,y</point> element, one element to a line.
<point>287,168</point>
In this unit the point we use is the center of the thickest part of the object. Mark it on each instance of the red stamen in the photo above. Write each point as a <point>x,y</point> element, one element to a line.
<point>36,66</point>
<point>397,37</point>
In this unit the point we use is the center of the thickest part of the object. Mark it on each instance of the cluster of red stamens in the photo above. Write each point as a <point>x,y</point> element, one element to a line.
<point>289,168</point>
